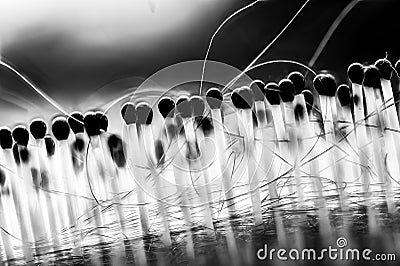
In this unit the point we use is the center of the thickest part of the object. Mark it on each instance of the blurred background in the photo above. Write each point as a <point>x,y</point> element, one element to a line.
<point>84,54</point>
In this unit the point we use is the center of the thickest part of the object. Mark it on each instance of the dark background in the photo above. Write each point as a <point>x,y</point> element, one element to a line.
<point>74,51</point>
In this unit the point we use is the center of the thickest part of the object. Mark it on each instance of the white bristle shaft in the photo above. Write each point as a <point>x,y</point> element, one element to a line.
<point>374,143</point>
<point>47,196</point>
<point>283,165</point>
<point>20,206</point>
<point>37,162</point>
<point>68,180</point>
<point>111,180</point>
<point>387,149</point>
<point>147,149</point>
<point>221,148</point>
<point>139,174</point>
<point>346,143</point>
<point>5,218</point>
<point>172,154</point>
<point>196,166</point>
<point>294,149</point>
<point>35,210</point>
<point>268,147</point>
<point>254,182</point>
<point>309,165</point>
<point>372,119</point>
<point>365,151</point>
<point>305,144</point>
<point>206,156</point>
<point>329,130</point>
<point>392,127</point>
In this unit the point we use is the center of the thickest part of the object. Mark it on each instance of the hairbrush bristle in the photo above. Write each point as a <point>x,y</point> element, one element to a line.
<point>257,87</point>
<point>242,98</point>
<point>20,135</point>
<point>144,114</point>
<point>183,107</point>
<point>50,145</point>
<point>6,140</point>
<point>92,124</point>
<point>318,86</point>
<point>38,128</point>
<point>385,68</point>
<point>309,99</point>
<point>75,121</point>
<point>355,72</point>
<point>60,128</point>
<point>344,95</point>
<point>198,106</point>
<point>214,98</point>
<point>128,113</point>
<point>103,121</point>
<point>372,77</point>
<point>329,84</point>
<point>272,93</point>
<point>166,107</point>
<point>298,81</point>
<point>286,90</point>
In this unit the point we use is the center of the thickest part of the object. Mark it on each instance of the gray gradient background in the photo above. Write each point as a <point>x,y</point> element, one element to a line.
<point>85,53</point>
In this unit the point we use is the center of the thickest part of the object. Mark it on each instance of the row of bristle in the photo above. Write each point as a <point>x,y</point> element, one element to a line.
<point>246,100</point>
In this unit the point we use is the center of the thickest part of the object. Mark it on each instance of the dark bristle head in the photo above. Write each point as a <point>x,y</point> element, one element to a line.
<point>166,107</point>
<point>116,148</point>
<point>272,93</point>
<point>242,98</point>
<point>50,146</point>
<point>103,121</point>
<point>60,128</point>
<point>286,90</point>
<point>344,95</point>
<point>330,85</point>
<point>214,98</point>
<point>6,140</point>
<point>75,122</point>
<point>144,114</point>
<point>183,107</point>
<point>20,135</point>
<point>309,99</point>
<point>355,72</point>
<point>258,90</point>
<point>128,113</point>
<point>298,81</point>
<point>255,120</point>
<point>317,83</point>
<point>198,106</point>
<point>92,124</point>
<point>385,68</point>
<point>38,128</point>
<point>372,77</point>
